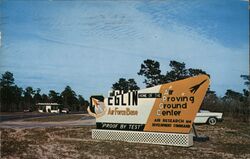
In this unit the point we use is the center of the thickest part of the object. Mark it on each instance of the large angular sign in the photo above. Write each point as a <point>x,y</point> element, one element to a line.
<point>169,107</point>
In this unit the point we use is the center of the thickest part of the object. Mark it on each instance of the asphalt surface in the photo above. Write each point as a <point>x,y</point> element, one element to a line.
<point>23,115</point>
<point>15,120</point>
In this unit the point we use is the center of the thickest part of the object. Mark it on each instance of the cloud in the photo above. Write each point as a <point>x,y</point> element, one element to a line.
<point>90,45</point>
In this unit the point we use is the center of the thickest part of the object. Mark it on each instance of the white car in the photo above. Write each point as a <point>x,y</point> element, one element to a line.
<point>205,116</point>
<point>65,110</point>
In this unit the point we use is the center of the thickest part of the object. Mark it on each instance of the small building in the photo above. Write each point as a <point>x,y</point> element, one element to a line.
<point>48,107</point>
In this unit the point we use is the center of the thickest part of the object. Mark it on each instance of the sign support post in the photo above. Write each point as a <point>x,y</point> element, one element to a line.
<point>199,138</point>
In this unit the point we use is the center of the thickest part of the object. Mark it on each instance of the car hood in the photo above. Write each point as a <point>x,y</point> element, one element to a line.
<point>210,114</point>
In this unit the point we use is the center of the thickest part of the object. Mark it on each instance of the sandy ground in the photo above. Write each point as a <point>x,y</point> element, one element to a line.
<point>72,139</point>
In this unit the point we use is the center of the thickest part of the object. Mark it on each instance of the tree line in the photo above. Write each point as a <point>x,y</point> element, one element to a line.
<point>233,104</point>
<point>15,98</point>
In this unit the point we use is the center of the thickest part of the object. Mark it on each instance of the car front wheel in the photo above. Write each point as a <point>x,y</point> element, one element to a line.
<point>212,121</point>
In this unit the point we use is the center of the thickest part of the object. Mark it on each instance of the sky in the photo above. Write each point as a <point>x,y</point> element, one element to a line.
<point>89,45</point>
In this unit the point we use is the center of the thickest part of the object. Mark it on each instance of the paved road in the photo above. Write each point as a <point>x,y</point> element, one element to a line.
<point>84,120</point>
<point>22,115</point>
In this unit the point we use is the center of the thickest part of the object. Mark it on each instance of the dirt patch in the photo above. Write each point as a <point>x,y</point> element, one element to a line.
<point>227,140</point>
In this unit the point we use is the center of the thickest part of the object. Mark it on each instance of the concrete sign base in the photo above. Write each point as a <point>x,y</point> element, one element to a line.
<point>173,139</point>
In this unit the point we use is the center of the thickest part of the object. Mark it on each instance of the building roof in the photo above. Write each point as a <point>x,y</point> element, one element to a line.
<point>48,104</point>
